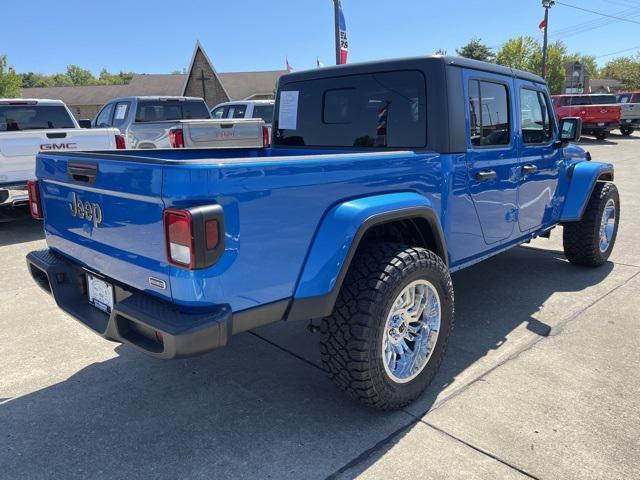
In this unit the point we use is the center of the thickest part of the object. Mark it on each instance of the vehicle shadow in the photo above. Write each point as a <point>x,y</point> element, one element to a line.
<point>589,141</point>
<point>19,227</point>
<point>254,410</point>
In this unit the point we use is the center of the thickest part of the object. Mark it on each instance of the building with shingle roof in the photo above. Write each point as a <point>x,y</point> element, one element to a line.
<point>201,80</point>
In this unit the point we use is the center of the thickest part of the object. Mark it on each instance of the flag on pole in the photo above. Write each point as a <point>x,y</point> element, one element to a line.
<point>542,26</point>
<point>289,67</point>
<point>319,64</point>
<point>344,44</point>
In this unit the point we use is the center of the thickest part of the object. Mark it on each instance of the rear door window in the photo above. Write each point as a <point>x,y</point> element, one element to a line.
<point>265,112</point>
<point>237,111</point>
<point>489,114</point>
<point>15,118</point>
<point>380,110</point>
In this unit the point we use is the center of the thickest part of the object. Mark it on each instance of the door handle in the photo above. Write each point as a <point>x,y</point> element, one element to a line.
<point>485,175</point>
<point>529,169</point>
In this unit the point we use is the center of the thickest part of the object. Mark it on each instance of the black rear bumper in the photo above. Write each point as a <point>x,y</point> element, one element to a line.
<point>151,325</point>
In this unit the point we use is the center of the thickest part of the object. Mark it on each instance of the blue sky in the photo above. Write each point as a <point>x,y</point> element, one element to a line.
<point>159,36</point>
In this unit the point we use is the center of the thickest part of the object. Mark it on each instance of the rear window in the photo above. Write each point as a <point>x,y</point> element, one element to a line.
<point>161,110</point>
<point>381,110</point>
<point>603,99</point>
<point>14,118</point>
<point>265,112</point>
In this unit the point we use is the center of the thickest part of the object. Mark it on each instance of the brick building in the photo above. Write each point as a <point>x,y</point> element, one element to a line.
<point>201,80</point>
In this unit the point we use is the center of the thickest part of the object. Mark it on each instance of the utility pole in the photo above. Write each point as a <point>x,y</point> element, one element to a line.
<point>547,4</point>
<point>336,21</point>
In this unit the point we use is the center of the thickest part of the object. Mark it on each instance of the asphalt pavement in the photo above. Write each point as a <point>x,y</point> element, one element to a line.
<point>541,380</point>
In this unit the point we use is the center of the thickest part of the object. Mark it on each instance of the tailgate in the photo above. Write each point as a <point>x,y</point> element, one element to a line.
<point>123,237</point>
<point>18,149</point>
<point>600,113</point>
<point>223,134</point>
<point>630,111</point>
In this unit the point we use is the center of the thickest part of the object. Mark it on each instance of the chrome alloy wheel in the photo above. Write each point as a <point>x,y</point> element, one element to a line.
<point>607,225</point>
<point>411,331</point>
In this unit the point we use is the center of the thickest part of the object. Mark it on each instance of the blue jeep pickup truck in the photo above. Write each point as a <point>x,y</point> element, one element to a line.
<point>382,179</point>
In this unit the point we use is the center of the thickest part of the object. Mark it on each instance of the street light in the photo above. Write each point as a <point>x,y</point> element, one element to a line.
<point>547,4</point>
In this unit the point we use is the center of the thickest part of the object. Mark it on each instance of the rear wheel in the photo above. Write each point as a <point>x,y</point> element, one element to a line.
<point>390,327</point>
<point>626,131</point>
<point>601,135</point>
<point>590,241</point>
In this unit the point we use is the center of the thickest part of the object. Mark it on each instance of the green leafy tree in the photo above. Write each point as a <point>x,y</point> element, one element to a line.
<point>624,69</point>
<point>476,50</point>
<point>10,81</point>
<point>32,79</point>
<point>525,53</point>
<point>61,80</point>
<point>120,78</point>
<point>80,76</point>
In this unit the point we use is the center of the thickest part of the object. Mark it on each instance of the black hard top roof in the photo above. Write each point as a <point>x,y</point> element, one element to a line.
<point>411,62</point>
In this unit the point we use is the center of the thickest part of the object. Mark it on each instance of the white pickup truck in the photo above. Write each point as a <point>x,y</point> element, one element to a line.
<point>177,122</point>
<point>29,126</point>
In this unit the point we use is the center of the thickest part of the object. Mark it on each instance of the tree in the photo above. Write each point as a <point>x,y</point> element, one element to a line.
<point>624,69</point>
<point>525,53</point>
<point>476,50</point>
<point>10,81</point>
<point>440,51</point>
<point>80,76</point>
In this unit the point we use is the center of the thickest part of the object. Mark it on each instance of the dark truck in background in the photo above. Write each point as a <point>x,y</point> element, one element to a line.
<point>383,178</point>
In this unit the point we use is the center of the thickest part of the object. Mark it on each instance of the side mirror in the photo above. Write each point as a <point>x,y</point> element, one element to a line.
<point>84,123</point>
<point>570,131</point>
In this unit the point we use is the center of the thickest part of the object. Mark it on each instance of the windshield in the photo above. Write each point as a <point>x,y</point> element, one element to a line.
<point>15,118</point>
<point>161,110</point>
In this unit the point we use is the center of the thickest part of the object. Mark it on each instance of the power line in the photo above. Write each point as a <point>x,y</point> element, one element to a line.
<point>599,13</point>
<point>619,51</point>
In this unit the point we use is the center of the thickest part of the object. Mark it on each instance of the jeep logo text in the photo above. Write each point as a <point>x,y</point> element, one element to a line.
<point>86,210</point>
<point>58,146</point>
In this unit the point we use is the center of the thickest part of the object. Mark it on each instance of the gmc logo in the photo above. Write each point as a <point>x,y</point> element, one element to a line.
<point>58,146</point>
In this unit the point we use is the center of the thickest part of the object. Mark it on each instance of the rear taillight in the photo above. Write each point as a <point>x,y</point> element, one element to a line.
<point>35,205</point>
<point>120,142</point>
<point>178,226</point>
<point>193,236</point>
<point>176,138</point>
<point>266,141</point>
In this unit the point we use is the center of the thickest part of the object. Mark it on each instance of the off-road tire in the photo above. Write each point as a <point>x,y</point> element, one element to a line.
<point>626,131</point>
<point>601,135</point>
<point>581,239</point>
<point>351,338</point>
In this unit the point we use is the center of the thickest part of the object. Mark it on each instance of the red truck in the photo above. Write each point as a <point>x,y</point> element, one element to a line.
<point>600,114</point>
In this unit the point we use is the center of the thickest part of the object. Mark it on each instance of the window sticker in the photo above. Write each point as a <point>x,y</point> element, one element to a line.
<point>121,111</point>
<point>288,113</point>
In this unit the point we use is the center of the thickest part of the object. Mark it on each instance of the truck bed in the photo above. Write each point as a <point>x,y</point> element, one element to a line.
<point>273,201</point>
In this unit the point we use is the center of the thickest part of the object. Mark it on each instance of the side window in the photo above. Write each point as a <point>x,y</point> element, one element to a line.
<point>265,112</point>
<point>489,112</point>
<point>220,112</point>
<point>237,111</point>
<point>120,114</point>
<point>104,117</point>
<point>535,117</point>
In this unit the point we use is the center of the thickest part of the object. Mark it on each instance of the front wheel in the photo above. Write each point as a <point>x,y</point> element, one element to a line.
<point>590,241</point>
<point>390,327</point>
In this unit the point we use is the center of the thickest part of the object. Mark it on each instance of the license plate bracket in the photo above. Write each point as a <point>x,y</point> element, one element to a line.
<point>100,293</point>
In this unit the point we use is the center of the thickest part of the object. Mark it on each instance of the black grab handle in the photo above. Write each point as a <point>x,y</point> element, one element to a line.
<point>83,172</point>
